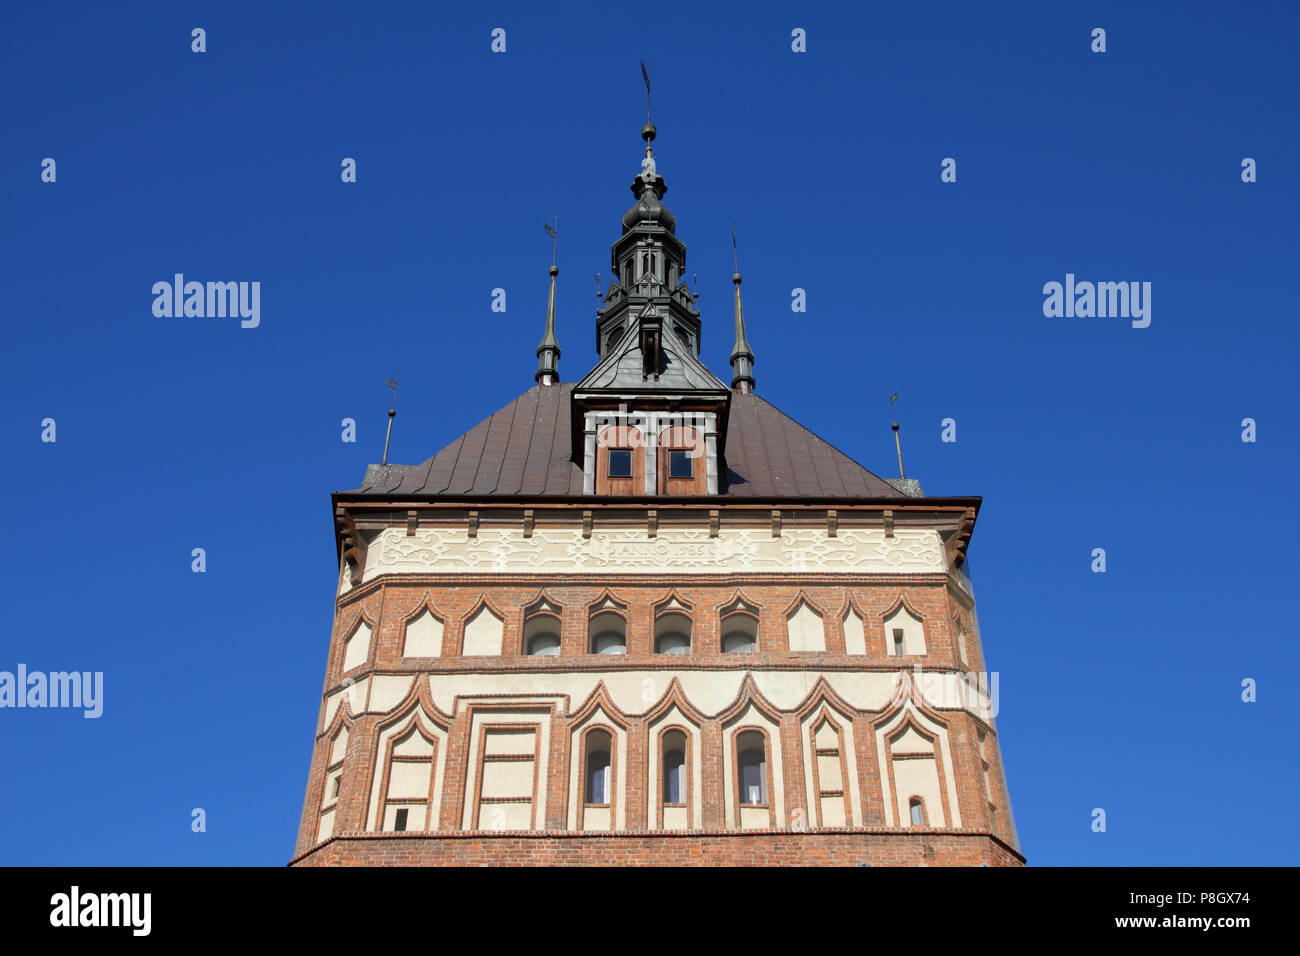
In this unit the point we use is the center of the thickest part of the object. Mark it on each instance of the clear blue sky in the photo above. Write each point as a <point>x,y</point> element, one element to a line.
<point>1118,690</point>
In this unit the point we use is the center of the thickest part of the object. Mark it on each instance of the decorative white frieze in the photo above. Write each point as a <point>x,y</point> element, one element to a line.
<point>637,692</point>
<point>672,551</point>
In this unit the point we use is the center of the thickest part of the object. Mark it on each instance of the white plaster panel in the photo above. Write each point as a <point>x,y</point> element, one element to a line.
<point>828,772</point>
<point>833,812</point>
<point>483,634</point>
<point>340,746</point>
<point>414,746</point>
<point>636,691</point>
<point>357,647</point>
<point>507,816</point>
<point>409,780</point>
<point>883,756</point>
<point>913,633</point>
<point>423,636</point>
<point>414,816</point>
<point>918,778</point>
<point>855,637</point>
<point>806,630</point>
<point>674,550</point>
<point>912,743</point>
<point>504,742</point>
<point>387,691</point>
<point>754,818</point>
<point>512,778</point>
<point>515,816</point>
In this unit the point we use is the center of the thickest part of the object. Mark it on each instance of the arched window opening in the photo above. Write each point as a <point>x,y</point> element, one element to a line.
<point>674,784</point>
<point>739,634</point>
<point>752,763</point>
<point>608,633</point>
<point>542,635</point>
<point>673,634</point>
<point>597,783</point>
<point>917,807</point>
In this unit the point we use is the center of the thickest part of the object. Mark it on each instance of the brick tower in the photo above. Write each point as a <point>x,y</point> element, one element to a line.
<point>647,618</point>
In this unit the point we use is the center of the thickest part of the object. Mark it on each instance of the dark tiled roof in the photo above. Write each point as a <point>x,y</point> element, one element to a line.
<point>526,449</point>
<point>770,455</point>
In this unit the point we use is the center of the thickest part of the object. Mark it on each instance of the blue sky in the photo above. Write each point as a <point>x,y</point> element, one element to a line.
<point>1119,690</point>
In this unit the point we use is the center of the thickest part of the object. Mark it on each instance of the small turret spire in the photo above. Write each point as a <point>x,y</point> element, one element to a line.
<point>548,350</point>
<point>742,357</point>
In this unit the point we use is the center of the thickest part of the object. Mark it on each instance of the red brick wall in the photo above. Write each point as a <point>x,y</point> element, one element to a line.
<point>389,603</point>
<point>751,848</point>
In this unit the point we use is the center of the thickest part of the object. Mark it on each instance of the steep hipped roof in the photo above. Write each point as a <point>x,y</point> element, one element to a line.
<point>526,449</point>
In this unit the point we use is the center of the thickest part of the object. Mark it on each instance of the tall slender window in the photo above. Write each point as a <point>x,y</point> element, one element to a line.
<point>752,763</point>
<point>898,642</point>
<point>598,769</point>
<point>674,775</point>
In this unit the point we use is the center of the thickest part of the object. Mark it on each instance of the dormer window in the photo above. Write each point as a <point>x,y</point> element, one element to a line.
<point>620,463</point>
<point>620,460</point>
<point>681,448</point>
<point>680,464</point>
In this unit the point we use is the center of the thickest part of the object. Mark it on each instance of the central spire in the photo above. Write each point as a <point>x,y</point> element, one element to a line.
<point>648,295</point>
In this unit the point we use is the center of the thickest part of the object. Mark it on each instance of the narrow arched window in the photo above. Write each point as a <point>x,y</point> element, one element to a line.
<point>673,634</point>
<point>917,807</point>
<point>608,634</point>
<point>542,633</point>
<point>597,784</point>
<point>674,774</point>
<point>752,766</point>
<point>739,634</point>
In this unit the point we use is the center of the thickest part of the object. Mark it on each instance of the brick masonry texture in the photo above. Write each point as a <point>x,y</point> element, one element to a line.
<point>752,848</point>
<point>389,603</point>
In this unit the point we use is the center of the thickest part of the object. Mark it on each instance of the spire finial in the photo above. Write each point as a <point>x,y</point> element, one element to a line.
<point>548,350</point>
<point>742,358</point>
<point>392,413</point>
<point>898,445</point>
<point>648,171</point>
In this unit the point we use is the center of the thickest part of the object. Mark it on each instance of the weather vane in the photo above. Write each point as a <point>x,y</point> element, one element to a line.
<point>554,233</point>
<point>646,76</point>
